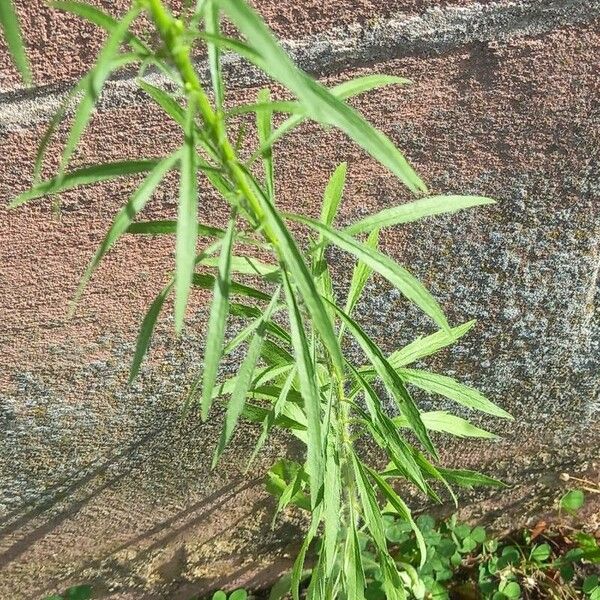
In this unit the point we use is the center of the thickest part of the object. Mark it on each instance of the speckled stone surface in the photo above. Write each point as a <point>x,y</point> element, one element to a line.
<point>105,483</point>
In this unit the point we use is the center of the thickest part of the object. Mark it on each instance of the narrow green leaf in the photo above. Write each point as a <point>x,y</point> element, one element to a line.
<point>246,265</point>
<point>360,275</point>
<point>213,27</point>
<point>219,310</point>
<point>145,335</point>
<point>165,101</point>
<point>319,103</point>
<point>468,479</point>
<point>165,227</point>
<point>371,510</point>
<point>332,497</point>
<point>428,345</point>
<point>398,450</point>
<point>400,507</point>
<point>187,219</point>
<point>14,39</point>
<point>412,211</point>
<point>207,282</point>
<point>264,128</point>
<point>84,176</point>
<point>342,91</point>
<point>125,216</point>
<point>94,84</point>
<point>304,280</point>
<point>333,194</point>
<point>310,394</point>
<point>243,381</point>
<point>452,389</point>
<point>354,571</point>
<point>445,422</point>
<point>398,276</point>
<point>390,378</point>
<point>298,568</point>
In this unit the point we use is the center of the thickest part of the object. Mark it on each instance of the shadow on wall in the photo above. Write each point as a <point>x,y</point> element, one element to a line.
<point>181,552</point>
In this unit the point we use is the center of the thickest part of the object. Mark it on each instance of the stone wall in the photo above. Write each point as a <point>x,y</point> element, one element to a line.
<point>104,482</point>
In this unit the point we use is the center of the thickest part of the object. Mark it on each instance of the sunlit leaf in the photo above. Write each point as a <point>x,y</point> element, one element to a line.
<point>14,40</point>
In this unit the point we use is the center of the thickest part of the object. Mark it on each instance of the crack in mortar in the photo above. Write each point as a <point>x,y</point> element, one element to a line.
<point>437,30</point>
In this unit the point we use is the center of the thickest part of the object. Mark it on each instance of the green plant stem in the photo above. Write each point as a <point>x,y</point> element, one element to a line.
<point>170,30</point>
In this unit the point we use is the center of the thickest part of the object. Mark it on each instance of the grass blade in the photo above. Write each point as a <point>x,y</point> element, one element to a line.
<point>452,389</point>
<point>207,282</point>
<point>398,276</point>
<point>332,497</point>
<point>310,394</point>
<point>412,211</point>
<point>84,176</point>
<point>243,381</point>
<point>125,216</point>
<point>170,227</point>
<point>215,332</point>
<point>319,103</point>
<point>187,219</point>
<point>9,23</point>
<point>145,335</point>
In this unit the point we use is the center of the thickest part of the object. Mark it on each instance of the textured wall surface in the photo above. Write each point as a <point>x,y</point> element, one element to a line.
<point>103,482</point>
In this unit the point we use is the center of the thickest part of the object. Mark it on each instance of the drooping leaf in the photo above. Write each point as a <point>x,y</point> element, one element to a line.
<point>452,389</point>
<point>207,282</point>
<point>319,103</point>
<point>412,211</point>
<point>94,84</point>
<point>187,219</point>
<point>84,176</point>
<point>403,511</point>
<point>14,39</point>
<point>310,394</point>
<point>393,383</point>
<point>146,329</point>
<point>398,276</point>
<point>466,478</point>
<point>212,25</point>
<point>243,381</point>
<point>126,215</point>
<point>219,310</point>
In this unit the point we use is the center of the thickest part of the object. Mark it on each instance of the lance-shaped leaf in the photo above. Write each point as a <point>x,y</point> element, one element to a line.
<point>187,219</point>
<point>332,498</point>
<point>212,25</point>
<point>440,420</point>
<point>398,276</point>
<point>126,215</point>
<point>319,103</point>
<point>298,568</point>
<point>84,176</point>
<point>400,507</point>
<point>360,275</point>
<point>343,91</point>
<point>264,128</point>
<point>219,310</point>
<point>243,381</point>
<point>146,329</point>
<point>12,34</point>
<point>428,345</point>
<point>390,378</point>
<point>469,479</point>
<point>398,450</point>
<point>94,84</point>
<point>303,279</point>
<point>452,389</point>
<point>412,211</point>
<point>310,394</point>
<point>207,282</point>
<point>354,572</point>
